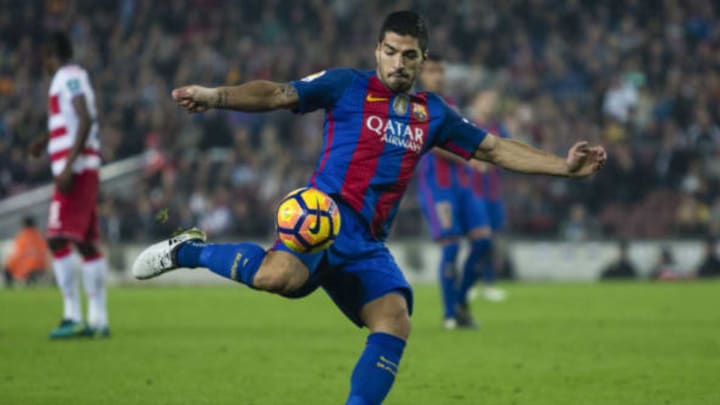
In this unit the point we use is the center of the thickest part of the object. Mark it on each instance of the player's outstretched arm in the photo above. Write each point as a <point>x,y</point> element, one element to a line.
<point>254,96</point>
<point>582,159</point>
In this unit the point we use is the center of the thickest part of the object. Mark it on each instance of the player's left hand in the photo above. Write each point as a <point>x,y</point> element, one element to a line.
<point>195,98</point>
<point>584,160</point>
<point>64,180</point>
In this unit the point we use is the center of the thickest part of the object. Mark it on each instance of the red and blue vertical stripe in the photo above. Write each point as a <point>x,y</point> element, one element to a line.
<point>370,150</point>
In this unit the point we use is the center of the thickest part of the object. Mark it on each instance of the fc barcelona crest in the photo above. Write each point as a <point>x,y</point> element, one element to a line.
<point>419,112</point>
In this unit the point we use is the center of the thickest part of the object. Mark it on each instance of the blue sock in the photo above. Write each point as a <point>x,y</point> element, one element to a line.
<point>448,278</point>
<point>479,249</point>
<point>487,265</point>
<point>236,261</point>
<point>375,371</point>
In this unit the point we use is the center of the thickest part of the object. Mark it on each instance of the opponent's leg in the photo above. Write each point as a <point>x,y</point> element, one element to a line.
<point>72,322</point>
<point>9,280</point>
<point>389,322</point>
<point>94,273</point>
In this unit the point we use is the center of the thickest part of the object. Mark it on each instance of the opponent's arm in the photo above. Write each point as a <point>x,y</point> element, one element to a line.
<point>582,160</point>
<point>64,179</point>
<point>254,96</point>
<point>38,145</point>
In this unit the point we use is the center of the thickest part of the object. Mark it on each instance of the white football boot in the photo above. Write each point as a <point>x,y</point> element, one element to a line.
<point>494,294</point>
<point>160,257</point>
<point>450,324</point>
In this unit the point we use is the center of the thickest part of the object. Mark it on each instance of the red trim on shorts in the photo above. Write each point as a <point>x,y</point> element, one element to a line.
<point>62,252</point>
<point>75,237</point>
<point>91,258</point>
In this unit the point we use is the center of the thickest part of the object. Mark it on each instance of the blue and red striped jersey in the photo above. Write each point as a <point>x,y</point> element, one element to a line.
<point>373,139</point>
<point>487,184</point>
<point>443,172</point>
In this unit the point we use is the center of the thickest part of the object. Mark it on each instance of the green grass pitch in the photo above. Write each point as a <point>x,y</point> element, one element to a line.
<point>549,344</point>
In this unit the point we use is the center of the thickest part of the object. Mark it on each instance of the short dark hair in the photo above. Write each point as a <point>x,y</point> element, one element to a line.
<point>29,222</point>
<point>406,23</point>
<point>58,43</point>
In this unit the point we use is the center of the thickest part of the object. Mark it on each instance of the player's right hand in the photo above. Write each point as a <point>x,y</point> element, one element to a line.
<point>64,180</point>
<point>37,147</point>
<point>584,160</point>
<point>194,98</point>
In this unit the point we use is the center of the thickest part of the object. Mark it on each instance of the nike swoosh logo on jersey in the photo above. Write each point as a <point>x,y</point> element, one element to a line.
<point>372,99</point>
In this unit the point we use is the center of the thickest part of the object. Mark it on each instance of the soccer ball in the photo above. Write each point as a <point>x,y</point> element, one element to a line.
<point>308,220</point>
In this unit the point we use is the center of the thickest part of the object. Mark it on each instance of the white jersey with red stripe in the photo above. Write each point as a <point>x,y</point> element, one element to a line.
<point>71,81</point>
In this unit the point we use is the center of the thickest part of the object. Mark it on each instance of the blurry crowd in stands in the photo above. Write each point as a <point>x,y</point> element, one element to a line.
<point>641,77</point>
<point>665,267</point>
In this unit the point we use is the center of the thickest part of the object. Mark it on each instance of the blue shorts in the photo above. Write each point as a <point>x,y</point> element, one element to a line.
<point>354,270</point>
<point>496,212</point>
<point>452,211</point>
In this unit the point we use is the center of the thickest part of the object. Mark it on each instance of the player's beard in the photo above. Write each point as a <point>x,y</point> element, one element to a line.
<point>399,83</point>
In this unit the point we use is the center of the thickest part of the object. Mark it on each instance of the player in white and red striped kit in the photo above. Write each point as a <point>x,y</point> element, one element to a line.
<point>74,148</point>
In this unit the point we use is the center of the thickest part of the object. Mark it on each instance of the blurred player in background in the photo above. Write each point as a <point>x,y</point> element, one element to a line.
<point>486,187</point>
<point>74,147</point>
<point>452,212</point>
<point>376,128</point>
<point>27,261</point>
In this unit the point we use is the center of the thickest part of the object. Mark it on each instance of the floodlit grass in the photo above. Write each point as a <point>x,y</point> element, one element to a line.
<point>549,344</point>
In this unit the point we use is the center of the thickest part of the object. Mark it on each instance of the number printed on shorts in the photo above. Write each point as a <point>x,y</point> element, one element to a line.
<point>444,213</point>
<point>54,219</point>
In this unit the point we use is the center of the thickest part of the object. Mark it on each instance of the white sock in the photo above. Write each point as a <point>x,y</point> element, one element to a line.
<point>64,269</point>
<point>94,271</point>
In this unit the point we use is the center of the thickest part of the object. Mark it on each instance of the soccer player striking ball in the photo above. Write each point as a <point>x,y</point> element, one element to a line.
<point>452,211</point>
<point>376,128</point>
<point>74,148</point>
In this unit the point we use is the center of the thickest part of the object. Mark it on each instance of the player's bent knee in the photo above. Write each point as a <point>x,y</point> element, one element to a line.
<point>280,274</point>
<point>388,314</point>
<point>271,280</point>
<point>400,323</point>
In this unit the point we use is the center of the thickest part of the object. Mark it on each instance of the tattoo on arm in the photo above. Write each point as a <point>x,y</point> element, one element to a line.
<point>222,99</point>
<point>288,91</point>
